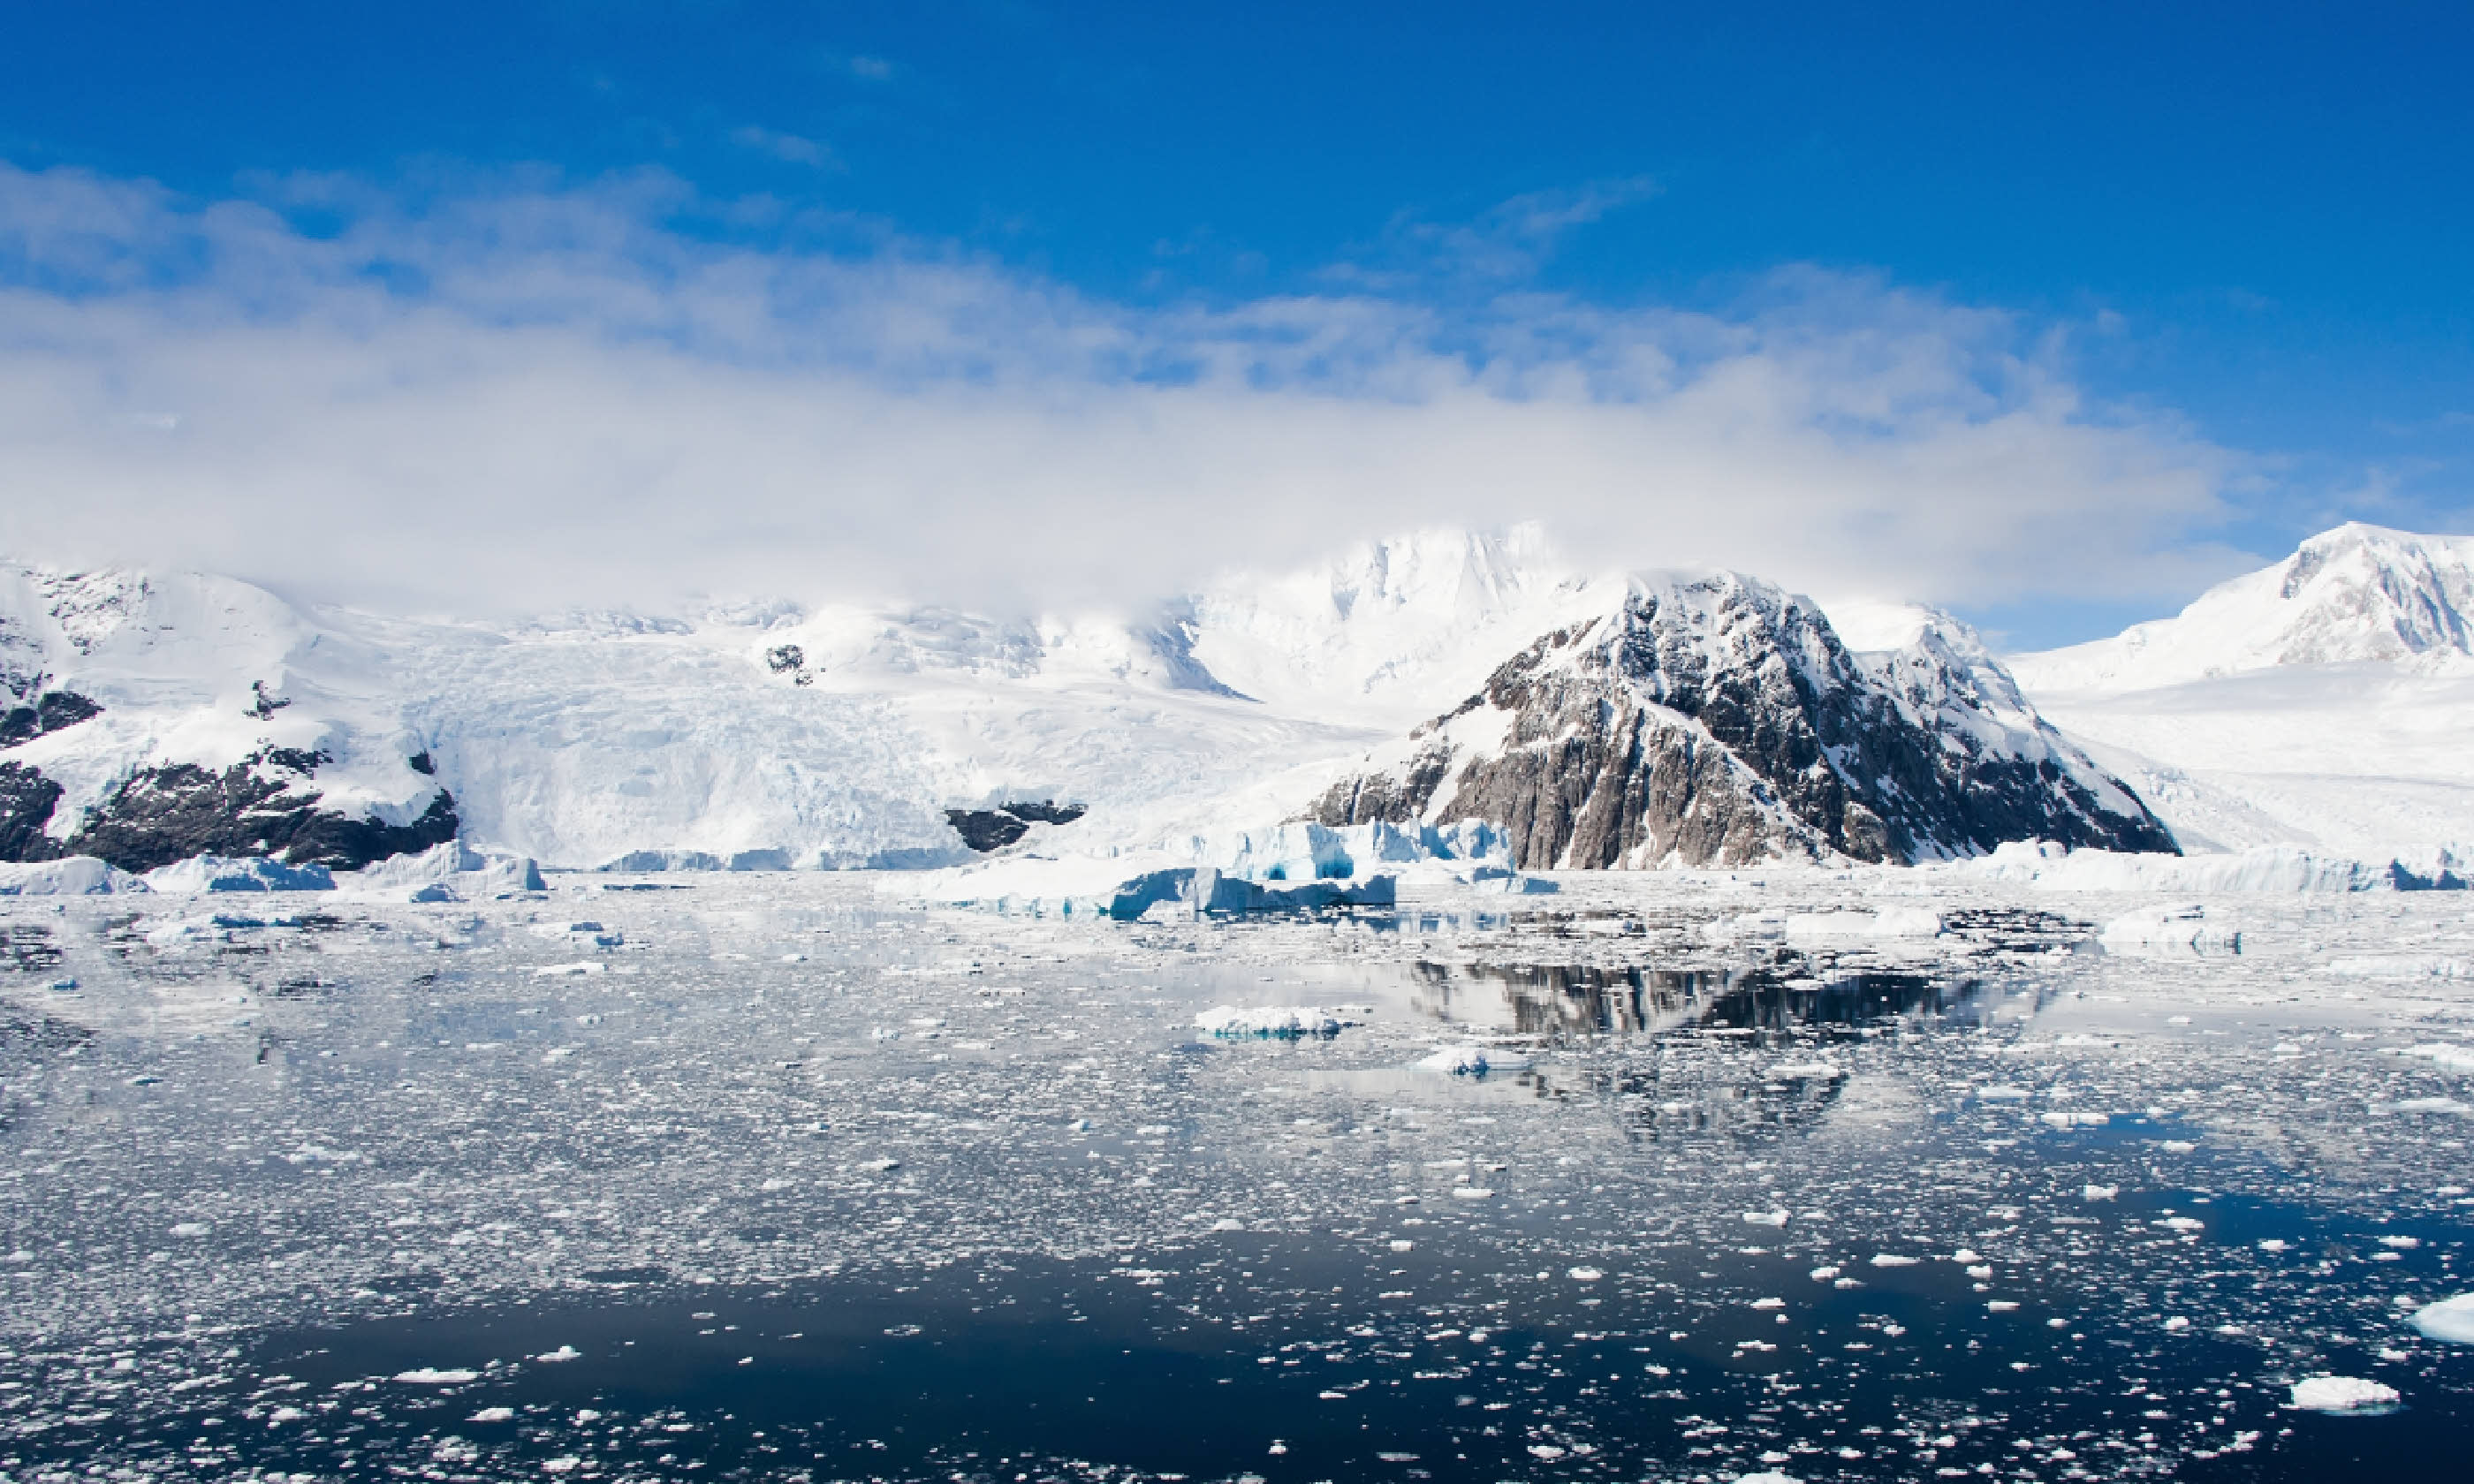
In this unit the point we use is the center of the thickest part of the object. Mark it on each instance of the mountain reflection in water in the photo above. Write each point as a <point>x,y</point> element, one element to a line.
<point>1558,1002</point>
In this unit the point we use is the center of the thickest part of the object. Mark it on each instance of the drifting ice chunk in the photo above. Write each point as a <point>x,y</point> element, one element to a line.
<point>241,873</point>
<point>1284,1022</point>
<point>2449,1319</point>
<point>79,875</point>
<point>1192,890</point>
<point>1775,922</point>
<point>2457,1058</point>
<point>2342,1394</point>
<point>1474,1061</point>
<point>1906,922</point>
<point>1795,1071</point>
<point>452,872</point>
<point>2168,929</point>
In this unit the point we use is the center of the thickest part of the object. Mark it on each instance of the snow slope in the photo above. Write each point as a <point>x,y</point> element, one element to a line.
<point>2325,701</point>
<point>198,669</point>
<point>1386,633</point>
<point>2357,594</point>
<point>583,740</point>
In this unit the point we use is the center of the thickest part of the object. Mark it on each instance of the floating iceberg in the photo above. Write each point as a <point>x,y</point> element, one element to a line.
<point>1279,1022</point>
<point>238,874</point>
<point>452,872</point>
<point>2174,929</point>
<point>1280,868</point>
<point>2268,868</point>
<point>1474,1061</point>
<point>2449,1319</point>
<point>2342,1394</point>
<point>78,875</point>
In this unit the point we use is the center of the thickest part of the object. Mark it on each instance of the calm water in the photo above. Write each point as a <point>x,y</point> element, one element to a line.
<point>793,1187</point>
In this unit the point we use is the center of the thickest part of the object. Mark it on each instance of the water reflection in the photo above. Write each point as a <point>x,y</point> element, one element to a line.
<point>1560,1003</point>
<point>1745,1054</point>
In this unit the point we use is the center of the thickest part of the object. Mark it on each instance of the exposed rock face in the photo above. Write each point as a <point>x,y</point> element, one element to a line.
<point>259,806</point>
<point>40,715</point>
<point>1717,720</point>
<point>27,800</point>
<point>993,829</point>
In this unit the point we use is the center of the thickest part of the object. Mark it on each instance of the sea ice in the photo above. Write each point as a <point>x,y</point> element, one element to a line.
<point>1474,1061</point>
<point>2342,1394</point>
<point>1281,1022</point>
<point>238,874</point>
<point>77,876</point>
<point>2448,1318</point>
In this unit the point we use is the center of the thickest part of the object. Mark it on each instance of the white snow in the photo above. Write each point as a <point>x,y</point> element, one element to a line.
<point>2358,594</point>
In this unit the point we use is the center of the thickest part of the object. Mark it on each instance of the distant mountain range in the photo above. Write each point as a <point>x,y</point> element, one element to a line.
<point>2327,700</point>
<point>1625,720</point>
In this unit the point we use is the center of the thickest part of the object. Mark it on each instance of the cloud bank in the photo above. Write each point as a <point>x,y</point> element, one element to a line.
<point>516,393</point>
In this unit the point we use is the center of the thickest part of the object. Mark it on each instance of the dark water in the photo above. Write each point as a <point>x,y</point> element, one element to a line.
<point>1289,1360</point>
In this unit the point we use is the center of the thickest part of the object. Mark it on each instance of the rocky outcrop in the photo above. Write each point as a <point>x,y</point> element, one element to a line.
<point>993,829</point>
<point>27,800</point>
<point>1717,720</point>
<point>262,806</point>
<point>43,713</point>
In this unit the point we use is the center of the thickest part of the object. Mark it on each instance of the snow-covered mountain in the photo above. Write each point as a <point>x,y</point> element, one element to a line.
<point>2325,700</point>
<point>2357,594</point>
<point>1699,719</point>
<point>154,716</point>
<point>1381,631</point>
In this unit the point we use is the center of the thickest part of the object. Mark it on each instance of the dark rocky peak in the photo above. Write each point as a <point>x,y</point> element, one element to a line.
<point>1716,719</point>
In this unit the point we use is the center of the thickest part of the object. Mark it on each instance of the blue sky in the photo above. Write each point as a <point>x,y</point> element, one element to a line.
<point>2241,231</point>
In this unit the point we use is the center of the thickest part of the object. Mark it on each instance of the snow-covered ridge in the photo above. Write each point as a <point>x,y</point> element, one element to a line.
<point>2321,701</point>
<point>158,718</point>
<point>2355,594</point>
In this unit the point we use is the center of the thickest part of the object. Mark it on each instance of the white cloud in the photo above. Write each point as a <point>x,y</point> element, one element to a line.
<point>791,149</point>
<point>518,394</point>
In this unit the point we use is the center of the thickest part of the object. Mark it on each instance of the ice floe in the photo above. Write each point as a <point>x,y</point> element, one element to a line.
<point>1279,1022</point>
<point>1470,1061</point>
<point>2448,1318</point>
<point>238,874</point>
<point>76,876</point>
<point>2342,1394</point>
